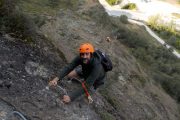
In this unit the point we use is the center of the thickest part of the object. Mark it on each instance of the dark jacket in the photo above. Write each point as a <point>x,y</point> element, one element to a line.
<point>93,73</point>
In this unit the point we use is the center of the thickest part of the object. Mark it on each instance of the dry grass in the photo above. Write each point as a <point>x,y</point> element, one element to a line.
<point>173,2</point>
<point>46,6</point>
<point>177,15</point>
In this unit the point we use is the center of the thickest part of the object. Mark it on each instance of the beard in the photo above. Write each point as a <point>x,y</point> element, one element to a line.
<point>85,60</point>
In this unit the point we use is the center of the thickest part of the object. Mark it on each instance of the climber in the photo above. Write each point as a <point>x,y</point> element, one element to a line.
<point>86,65</point>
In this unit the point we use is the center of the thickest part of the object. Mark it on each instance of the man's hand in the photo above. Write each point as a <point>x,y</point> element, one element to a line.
<point>66,99</point>
<point>54,81</point>
<point>90,99</point>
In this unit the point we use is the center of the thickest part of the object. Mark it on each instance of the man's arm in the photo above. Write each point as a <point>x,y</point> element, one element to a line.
<point>66,70</point>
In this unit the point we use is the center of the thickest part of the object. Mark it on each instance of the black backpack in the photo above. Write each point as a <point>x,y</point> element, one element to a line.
<point>105,61</point>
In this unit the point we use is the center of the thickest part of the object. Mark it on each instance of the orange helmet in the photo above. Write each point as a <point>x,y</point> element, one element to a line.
<point>86,47</point>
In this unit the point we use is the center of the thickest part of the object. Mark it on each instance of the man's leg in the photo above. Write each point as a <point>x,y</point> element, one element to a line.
<point>76,74</point>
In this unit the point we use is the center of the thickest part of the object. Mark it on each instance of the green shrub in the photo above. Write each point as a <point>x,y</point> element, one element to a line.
<point>124,19</point>
<point>61,3</point>
<point>53,3</point>
<point>130,6</point>
<point>7,7</point>
<point>164,33</point>
<point>166,30</point>
<point>14,21</point>
<point>178,43</point>
<point>172,87</point>
<point>39,20</point>
<point>100,16</point>
<point>163,65</point>
<point>1,3</point>
<point>172,40</point>
<point>113,2</point>
<point>133,40</point>
<point>156,23</point>
<point>153,21</point>
<point>171,27</point>
<point>106,116</point>
<point>176,15</point>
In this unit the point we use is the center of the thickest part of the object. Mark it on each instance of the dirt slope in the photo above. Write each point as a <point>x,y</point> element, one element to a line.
<point>130,99</point>
<point>129,94</point>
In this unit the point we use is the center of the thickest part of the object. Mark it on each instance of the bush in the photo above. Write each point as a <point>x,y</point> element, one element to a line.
<point>53,3</point>
<point>171,27</point>
<point>124,19</point>
<point>172,40</point>
<point>130,6</point>
<point>106,115</point>
<point>7,7</point>
<point>133,40</point>
<point>164,66</point>
<point>178,43</point>
<point>153,20</point>
<point>114,2</point>
<point>156,23</point>
<point>14,21</point>
<point>1,3</point>
<point>172,87</point>
<point>100,16</point>
<point>140,53</point>
<point>176,15</point>
<point>164,33</point>
<point>166,30</point>
<point>39,20</point>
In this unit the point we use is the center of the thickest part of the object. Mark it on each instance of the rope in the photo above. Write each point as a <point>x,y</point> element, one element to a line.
<point>19,114</point>
<point>64,90</point>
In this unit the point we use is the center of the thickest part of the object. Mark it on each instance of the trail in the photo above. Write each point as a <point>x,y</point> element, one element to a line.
<point>133,17</point>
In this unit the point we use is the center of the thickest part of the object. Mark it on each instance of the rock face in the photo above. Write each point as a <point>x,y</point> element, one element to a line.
<point>5,109</point>
<point>35,69</point>
<point>23,83</point>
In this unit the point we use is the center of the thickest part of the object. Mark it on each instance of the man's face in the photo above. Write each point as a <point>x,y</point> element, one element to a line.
<point>86,57</point>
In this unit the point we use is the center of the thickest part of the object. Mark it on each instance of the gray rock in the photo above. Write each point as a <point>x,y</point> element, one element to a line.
<point>35,69</point>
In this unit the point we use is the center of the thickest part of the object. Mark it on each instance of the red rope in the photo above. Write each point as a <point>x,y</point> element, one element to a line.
<point>85,89</point>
